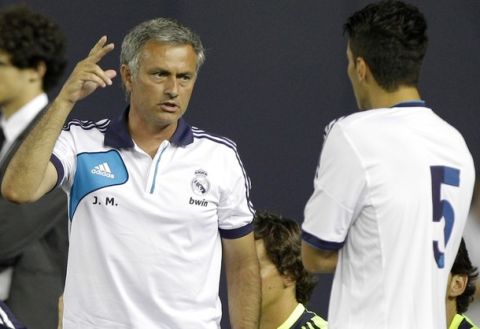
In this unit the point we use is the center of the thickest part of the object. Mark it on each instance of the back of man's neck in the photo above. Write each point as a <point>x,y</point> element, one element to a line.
<point>385,99</point>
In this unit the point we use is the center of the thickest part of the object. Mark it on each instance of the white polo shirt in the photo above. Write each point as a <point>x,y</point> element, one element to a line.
<point>386,182</point>
<point>145,247</point>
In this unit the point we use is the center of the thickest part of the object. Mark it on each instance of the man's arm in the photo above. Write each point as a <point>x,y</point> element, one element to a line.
<point>243,281</point>
<point>318,261</point>
<point>30,174</point>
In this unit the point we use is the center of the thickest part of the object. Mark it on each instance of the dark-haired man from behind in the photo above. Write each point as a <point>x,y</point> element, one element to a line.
<point>286,285</point>
<point>33,237</point>
<point>393,184</point>
<point>460,290</point>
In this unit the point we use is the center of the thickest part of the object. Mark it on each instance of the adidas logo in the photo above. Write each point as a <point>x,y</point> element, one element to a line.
<point>103,170</point>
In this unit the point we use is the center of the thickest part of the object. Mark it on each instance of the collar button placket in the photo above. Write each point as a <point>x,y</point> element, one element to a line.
<point>156,164</point>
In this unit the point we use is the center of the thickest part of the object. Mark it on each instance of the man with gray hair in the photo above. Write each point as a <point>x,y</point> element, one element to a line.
<point>152,200</point>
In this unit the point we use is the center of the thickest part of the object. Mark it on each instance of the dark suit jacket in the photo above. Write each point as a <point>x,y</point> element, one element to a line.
<point>34,237</point>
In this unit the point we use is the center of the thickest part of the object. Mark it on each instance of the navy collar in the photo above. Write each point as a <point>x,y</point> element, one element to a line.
<point>413,103</point>
<point>117,135</point>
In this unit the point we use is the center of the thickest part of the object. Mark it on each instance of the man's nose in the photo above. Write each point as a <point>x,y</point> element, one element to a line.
<point>171,87</point>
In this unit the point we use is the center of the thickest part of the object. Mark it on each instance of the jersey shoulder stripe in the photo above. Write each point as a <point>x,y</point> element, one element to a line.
<point>199,133</point>
<point>101,125</point>
<point>7,319</point>
<point>330,125</point>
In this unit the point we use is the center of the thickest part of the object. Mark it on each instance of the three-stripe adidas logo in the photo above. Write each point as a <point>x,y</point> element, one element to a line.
<point>103,169</point>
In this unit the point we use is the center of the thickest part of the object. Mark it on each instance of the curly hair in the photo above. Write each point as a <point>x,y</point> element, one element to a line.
<point>463,265</point>
<point>30,38</point>
<point>391,37</point>
<point>281,237</point>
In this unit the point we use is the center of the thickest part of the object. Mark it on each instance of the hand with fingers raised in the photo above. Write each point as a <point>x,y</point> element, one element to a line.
<point>88,75</point>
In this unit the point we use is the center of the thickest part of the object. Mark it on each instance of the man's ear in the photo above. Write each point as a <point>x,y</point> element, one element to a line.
<point>361,69</point>
<point>288,281</point>
<point>457,285</point>
<point>41,69</point>
<point>38,72</point>
<point>126,77</point>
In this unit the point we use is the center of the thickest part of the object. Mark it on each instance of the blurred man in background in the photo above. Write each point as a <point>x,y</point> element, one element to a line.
<point>33,237</point>
<point>460,290</point>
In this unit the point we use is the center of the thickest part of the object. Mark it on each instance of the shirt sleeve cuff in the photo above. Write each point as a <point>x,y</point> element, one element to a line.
<point>237,232</point>
<point>59,167</point>
<point>321,244</point>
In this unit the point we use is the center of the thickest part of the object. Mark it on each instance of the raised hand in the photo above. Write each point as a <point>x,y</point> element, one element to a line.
<point>87,75</point>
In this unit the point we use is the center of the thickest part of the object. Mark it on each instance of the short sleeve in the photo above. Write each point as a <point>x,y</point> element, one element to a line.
<point>339,186</point>
<point>235,211</point>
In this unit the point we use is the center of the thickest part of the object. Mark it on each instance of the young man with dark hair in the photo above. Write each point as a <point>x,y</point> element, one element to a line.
<point>460,290</point>
<point>33,237</point>
<point>286,285</point>
<point>393,184</point>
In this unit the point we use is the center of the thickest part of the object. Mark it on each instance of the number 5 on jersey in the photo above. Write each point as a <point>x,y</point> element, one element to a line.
<point>443,208</point>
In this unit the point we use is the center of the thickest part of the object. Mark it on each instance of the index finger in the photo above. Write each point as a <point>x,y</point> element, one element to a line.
<point>100,49</point>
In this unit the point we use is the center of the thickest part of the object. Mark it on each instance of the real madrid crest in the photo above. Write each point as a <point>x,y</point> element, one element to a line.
<point>200,183</point>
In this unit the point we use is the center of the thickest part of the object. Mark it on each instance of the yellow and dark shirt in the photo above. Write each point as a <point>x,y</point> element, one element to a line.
<point>460,321</point>
<point>301,318</point>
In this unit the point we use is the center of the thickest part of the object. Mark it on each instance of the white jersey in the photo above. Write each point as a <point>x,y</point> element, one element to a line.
<point>392,193</point>
<point>145,234</point>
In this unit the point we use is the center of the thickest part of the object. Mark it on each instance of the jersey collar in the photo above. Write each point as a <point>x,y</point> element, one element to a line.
<point>412,103</point>
<point>117,135</point>
<point>293,318</point>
